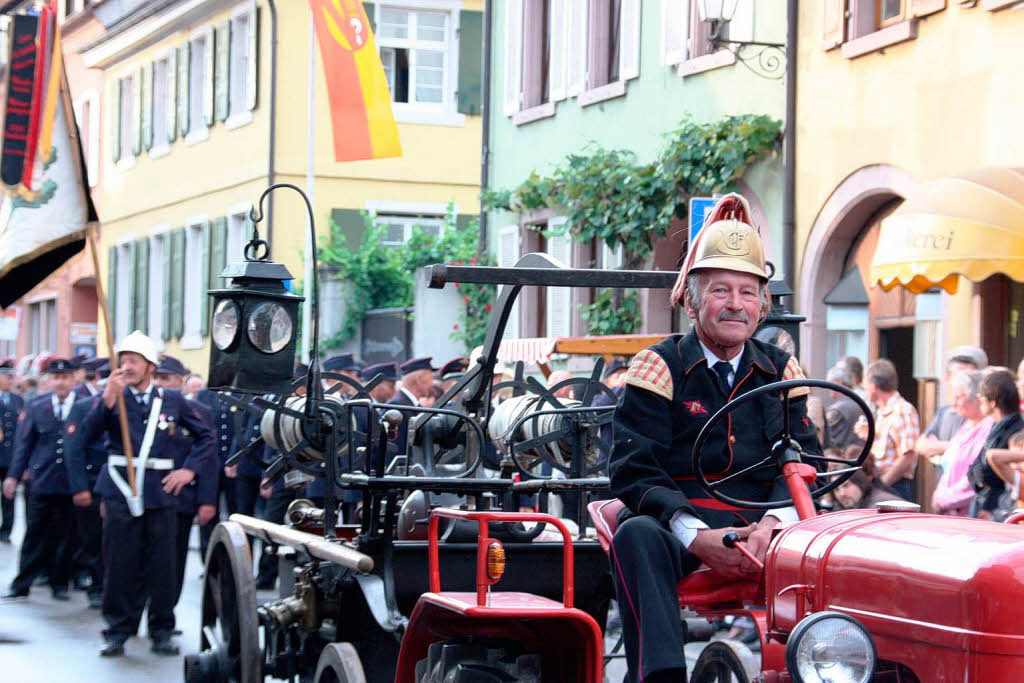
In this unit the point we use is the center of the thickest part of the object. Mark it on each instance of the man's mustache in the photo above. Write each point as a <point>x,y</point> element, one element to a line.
<point>729,316</point>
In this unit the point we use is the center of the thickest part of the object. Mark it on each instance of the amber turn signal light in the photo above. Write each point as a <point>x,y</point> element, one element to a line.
<point>495,560</point>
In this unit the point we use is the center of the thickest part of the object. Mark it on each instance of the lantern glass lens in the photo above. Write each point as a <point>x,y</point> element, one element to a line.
<point>270,327</point>
<point>225,324</point>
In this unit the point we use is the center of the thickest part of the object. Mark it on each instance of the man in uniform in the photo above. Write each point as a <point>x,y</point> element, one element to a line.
<point>452,371</point>
<point>197,498</point>
<point>11,406</point>
<point>139,527</point>
<point>91,385</point>
<point>417,378</point>
<point>224,433</point>
<point>671,389</point>
<point>40,448</point>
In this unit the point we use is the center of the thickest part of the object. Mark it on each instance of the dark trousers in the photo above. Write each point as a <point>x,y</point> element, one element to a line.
<point>90,544</point>
<point>277,505</point>
<point>47,543</point>
<point>246,494</point>
<point>182,533</point>
<point>905,487</point>
<point>6,510</point>
<point>139,557</point>
<point>647,563</point>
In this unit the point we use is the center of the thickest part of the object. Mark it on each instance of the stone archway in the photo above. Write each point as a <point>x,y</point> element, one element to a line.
<point>838,223</point>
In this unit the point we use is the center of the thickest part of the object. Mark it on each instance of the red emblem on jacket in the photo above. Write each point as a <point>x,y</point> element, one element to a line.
<point>72,428</point>
<point>695,407</point>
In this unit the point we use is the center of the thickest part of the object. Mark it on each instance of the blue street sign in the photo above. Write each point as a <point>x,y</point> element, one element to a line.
<point>700,207</point>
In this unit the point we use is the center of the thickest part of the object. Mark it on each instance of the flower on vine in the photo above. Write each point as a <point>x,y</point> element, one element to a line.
<point>456,285</point>
<point>487,308</point>
<point>455,326</point>
<point>466,299</point>
<point>472,260</point>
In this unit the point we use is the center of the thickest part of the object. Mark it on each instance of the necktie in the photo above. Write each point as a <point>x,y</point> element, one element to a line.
<point>724,369</point>
<point>141,398</point>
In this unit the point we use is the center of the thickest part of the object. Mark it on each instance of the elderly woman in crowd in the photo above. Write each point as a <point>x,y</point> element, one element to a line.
<point>999,400</point>
<point>954,492</point>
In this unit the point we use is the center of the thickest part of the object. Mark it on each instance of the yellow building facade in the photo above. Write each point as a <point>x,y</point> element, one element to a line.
<point>176,198</point>
<point>891,95</point>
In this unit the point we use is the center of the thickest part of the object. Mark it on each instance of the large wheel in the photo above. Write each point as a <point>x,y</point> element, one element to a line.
<point>229,640</point>
<point>476,663</point>
<point>719,663</point>
<point>339,663</point>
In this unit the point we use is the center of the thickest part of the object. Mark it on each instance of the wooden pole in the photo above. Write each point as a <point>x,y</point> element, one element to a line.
<point>126,437</point>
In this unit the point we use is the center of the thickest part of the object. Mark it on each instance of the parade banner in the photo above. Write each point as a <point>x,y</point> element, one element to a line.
<point>357,88</point>
<point>43,216</point>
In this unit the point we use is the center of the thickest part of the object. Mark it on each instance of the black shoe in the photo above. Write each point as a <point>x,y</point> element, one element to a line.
<point>95,601</point>
<point>176,632</point>
<point>165,647</point>
<point>264,583</point>
<point>14,593</point>
<point>82,583</point>
<point>41,580</point>
<point>112,648</point>
<point>61,594</point>
<point>5,538</point>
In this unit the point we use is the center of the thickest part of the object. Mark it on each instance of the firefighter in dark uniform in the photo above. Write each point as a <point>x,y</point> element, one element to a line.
<point>90,387</point>
<point>343,364</point>
<point>88,559</point>
<point>452,371</point>
<point>671,525</point>
<point>224,434</point>
<point>417,377</point>
<point>198,498</point>
<point>11,406</point>
<point>40,448</point>
<point>139,527</point>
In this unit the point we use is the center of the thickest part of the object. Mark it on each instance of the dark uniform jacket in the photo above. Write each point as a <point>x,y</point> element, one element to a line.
<point>82,391</point>
<point>9,412</point>
<point>670,393</point>
<point>401,443</point>
<point>175,414</point>
<point>222,419</point>
<point>41,445</point>
<point>203,489</point>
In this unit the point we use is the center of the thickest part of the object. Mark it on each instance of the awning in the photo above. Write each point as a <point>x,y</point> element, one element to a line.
<point>536,350</point>
<point>540,349</point>
<point>971,226</point>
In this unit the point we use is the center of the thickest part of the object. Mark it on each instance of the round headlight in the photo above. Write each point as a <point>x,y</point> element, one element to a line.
<point>224,329</point>
<point>777,336</point>
<point>829,647</point>
<point>270,327</point>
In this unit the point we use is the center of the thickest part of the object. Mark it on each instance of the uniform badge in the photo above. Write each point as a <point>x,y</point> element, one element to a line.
<point>72,428</point>
<point>172,428</point>
<point>695,407</point>
<point>162,423</point>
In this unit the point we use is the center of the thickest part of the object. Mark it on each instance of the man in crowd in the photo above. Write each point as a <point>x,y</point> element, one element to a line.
<point>139,524</point>
<point>671,390</point>
<point>556,378</point>
<point>896,429</point>
<point>343,364</point>
<point>40,447</point>
<point>90,385</point>
<point>452,371</point>
<point>11,406</point>
<point>224,434</point>
<point>842,412</point>
<point>417,378</point>
<point>385,390</point>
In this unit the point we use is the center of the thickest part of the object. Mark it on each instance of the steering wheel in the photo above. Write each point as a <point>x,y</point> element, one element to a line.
<point>785,447</point>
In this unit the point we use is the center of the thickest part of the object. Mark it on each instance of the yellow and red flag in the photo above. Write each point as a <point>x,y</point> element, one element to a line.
<point>364,127</point>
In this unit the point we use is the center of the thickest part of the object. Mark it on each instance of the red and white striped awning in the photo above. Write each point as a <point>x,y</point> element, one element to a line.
<point>536,350</point>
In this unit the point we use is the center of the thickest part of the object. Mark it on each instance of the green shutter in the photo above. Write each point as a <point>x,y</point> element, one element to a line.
<point>142,284</point>
<point>222,71</point>
<point>471,36</point>
<point>115,120</point>
<point>177,282</point>
<point>132,261</point>
<point>172,97</point>
<point>137,136</point>
<point>183,88</point>
<point>147,106</point>
<point>252,76</point>
<point>368,6</point>
<point>168,251</point>
<point>218,252</point>
<point>111,287</point>
<point>352,224</point>
<point>204,278</point>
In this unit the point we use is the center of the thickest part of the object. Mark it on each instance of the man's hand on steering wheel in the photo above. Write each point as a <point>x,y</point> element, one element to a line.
<point>728,562</point>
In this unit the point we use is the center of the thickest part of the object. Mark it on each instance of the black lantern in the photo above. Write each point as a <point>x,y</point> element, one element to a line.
<point>780,327</point>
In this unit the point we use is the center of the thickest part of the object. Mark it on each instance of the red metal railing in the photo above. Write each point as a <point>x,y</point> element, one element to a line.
<point>483,581</point>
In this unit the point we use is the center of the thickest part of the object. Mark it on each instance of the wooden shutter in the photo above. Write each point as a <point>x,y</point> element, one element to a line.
<point>368,6</point>
<point>147,106</point>
<point>834,13</point>
<point>629,39</point>
<point>130,284</point>
<point>577,47</point>
<point>920,8</point>
<point>168,252</point>
<point>218,252</point>
<point>741,27</point>
<point>558,309</point>
<point>137,114</point>
<point>177,308</point>
<point>115,121</point>
<point>350,222</point>
<point>204,278</point>
<point>208,91</point>
<point>222,73</point>
<point>184,71</point>
<point>557,61</point>
<point>508,254</point>
<point>253,75</point>
<point>513,56</point>
<point>142,284</point>
<point>172,96</point>
<point>471,41</point>
<point>674,17</point>
<point>112,288</point>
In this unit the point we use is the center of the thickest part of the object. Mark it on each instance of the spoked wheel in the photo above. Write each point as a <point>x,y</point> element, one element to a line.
<point>229,640</point>
<point>339,663</point>
<point>718,663</point>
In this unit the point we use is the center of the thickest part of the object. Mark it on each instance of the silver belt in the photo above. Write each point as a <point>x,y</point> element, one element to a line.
<point>151,463</point>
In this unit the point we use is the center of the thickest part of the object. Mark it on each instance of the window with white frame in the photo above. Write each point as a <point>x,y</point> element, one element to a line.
<point>684,36</point>
<point>238,81</point>
<point>125,287</point>
<point>43,325</point>
<point>158,254</point>
<point>198,86</point>
<point>237,236</point>
<point>399,227</point>
<point>611,259</point>
<point>194,286</point>
<point>87,114</point>
<point>508,254</point>
<point>415,49</point>
<point>161,101</point>
<point>558,300</point>
<point>129,128</point>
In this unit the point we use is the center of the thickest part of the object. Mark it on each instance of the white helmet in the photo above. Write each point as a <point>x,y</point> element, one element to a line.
<point>139,343</point>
